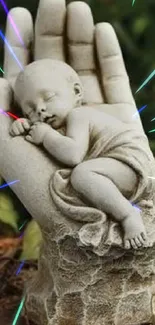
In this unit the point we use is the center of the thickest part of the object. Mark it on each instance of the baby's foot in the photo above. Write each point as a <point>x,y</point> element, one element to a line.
<point>135,234</point>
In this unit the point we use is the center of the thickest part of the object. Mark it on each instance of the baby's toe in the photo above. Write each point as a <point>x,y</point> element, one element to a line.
<point>145,242</point>
<point>127,244</point>
<point>142,241</point>
<point>133,243</point>
<point>138,242</point>
<point>144,236</point>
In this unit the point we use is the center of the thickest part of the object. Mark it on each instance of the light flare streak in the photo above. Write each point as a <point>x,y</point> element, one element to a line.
<point>10,114</point>
<point>146,81</point>
<point>19,311</point>
<point>11,21</point>
<point>10,183</point>
<point>139,111</point>
<point>20,267</point>
<point>10,49</point>
<point>1,70</point>
<point>23,224</point>
<point>151,131</point>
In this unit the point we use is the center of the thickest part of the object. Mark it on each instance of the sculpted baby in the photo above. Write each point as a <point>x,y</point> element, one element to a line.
<point>110,169</point>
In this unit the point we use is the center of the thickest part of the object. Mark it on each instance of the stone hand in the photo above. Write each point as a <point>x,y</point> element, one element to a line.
<point>20,127</point>
<point>113,93</point>
<point>37,133</point>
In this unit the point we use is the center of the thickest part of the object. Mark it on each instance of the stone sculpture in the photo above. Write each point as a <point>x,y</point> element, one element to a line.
<point>50,92</point>
<point>85,274</point>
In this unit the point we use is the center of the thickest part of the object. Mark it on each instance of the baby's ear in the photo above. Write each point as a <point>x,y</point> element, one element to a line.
<point>78,92</point>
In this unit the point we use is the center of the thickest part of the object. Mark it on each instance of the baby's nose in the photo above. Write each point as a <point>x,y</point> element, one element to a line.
<point>40,109</point>
<point>40,113</point>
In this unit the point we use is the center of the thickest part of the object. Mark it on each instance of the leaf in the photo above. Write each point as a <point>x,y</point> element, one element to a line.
<point>32,241</point>
<point>6,202</point>
<point>140,24</point>
<point>9,217</point>
<point>8,214</point>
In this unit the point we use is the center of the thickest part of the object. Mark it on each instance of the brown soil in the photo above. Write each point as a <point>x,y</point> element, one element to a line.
<point>12,285</point>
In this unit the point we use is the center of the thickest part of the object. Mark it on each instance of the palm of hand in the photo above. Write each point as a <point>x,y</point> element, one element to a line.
<point>113,93</point>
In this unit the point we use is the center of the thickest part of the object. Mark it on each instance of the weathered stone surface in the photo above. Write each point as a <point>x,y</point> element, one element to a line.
<point>90,290</point>
<point>76,284</point>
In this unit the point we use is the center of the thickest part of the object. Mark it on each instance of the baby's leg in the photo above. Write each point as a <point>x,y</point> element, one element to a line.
<point>107,184</point>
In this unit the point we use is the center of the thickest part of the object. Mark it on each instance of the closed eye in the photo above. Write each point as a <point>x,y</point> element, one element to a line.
<point>49,97</point>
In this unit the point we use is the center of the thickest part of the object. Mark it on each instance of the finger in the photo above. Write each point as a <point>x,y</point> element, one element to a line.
<point>31,132</point>
<point>23,21</point>
<point>26,125</point>
<point>49,30</point>
<point>37,123</point>
<point>29,138</point>
<point>80,34</point>
<point>15,130</point>
<point>32,127</point>
<point>20,128</point>
<point>114,77</point>
<point>11,133</point>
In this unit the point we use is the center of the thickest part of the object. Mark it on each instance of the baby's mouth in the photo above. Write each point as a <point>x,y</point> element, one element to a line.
<point>49,120</point>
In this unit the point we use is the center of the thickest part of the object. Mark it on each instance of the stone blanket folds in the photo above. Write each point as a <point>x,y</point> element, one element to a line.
<point>96,230</point>
<point>103,236</point>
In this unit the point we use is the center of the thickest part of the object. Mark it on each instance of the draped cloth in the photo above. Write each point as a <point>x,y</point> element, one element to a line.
<point>127,145</point>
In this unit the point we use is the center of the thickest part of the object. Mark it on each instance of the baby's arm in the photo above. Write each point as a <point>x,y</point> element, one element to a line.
<point>70,149</point>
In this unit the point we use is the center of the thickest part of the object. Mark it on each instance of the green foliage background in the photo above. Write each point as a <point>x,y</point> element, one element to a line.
<point>135,27</point>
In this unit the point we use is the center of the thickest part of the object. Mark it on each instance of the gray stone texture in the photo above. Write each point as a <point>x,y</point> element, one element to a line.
<point>75,284</point>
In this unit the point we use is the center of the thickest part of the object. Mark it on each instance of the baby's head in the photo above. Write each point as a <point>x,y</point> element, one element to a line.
<point>47,90</point>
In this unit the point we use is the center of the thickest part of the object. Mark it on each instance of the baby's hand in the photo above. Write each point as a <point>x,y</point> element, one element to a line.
<point>20,126</point>
<point>37,132</point>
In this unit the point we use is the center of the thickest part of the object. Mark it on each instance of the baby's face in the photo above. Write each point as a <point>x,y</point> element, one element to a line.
<point>47,100</point>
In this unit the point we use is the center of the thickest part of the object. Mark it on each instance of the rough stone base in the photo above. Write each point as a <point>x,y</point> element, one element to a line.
<point>75,287</point>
